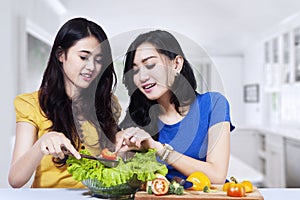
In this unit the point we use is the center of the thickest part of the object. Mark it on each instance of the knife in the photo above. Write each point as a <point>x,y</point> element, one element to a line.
<point>183,182</point>
<point>104,161</point>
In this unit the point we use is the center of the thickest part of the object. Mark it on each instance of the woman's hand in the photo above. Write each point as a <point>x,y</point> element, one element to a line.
<point>51,143</point>
<point>134,138</point>
<point>29,150</point>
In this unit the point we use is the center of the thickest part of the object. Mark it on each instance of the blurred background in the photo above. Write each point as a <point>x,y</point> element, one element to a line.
<point>247,50</point>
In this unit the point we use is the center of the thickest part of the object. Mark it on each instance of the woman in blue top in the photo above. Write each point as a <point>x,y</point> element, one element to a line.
<point>189,131</point>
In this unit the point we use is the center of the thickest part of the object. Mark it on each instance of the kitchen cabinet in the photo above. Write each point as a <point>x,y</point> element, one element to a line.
<point>274,161</point>
<point>297,53</point>
<point>246,145</point>
<point>264,151</point>
<point>292,163</point>
<point>282,59</point>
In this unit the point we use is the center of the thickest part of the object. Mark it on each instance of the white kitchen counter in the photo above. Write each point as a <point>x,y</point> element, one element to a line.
<point>80,194</point>
<point>290,132</point>
<point>280,193</point>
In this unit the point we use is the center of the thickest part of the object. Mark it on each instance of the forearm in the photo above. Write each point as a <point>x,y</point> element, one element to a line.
<point>186,165</point>
<point>23,167</point>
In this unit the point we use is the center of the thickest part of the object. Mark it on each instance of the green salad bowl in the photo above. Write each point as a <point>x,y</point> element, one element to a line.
<point>123,191</point>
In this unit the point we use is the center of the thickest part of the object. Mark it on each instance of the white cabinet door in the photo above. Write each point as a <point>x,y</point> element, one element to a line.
<point>275,167</point>
<point>246,145</point>
<point>292,163</point>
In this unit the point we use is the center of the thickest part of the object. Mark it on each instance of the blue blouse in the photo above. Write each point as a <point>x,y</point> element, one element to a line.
<point>190,136</point>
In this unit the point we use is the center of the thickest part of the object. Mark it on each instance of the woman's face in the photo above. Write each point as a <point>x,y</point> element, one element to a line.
<point>81,64</point>
<point>153,72</point>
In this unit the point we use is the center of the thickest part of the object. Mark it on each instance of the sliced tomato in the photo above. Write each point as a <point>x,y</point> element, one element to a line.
<point>105,153</point>
<point>160,186</point>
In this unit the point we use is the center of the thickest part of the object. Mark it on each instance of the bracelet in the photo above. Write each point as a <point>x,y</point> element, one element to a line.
<point>167,150</point>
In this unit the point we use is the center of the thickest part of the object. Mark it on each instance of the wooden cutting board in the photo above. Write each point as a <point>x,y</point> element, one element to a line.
<point>189,194</point>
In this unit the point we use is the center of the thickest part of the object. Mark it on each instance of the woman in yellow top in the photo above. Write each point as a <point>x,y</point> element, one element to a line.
<point>74,107</point>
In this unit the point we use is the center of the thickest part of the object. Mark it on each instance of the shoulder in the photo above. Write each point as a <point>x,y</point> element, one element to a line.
<point>211,96</point>
<point>27,108</point>
<point>212,100</point>
<point>27,98</point>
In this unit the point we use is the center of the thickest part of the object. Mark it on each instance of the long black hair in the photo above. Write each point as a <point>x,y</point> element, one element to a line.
<point>95,100</point>
<point>183,88</point>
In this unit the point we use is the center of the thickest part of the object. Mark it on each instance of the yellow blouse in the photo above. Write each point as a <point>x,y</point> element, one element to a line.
<point>47,174</point>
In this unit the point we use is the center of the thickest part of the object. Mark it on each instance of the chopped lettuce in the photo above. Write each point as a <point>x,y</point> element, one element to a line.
<point>143,166</point>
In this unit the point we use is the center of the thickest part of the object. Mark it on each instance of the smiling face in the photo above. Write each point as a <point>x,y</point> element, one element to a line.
<point>81,64</point>
<point>154,73</point>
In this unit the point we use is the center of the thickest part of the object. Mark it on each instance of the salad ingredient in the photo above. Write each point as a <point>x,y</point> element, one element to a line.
<point>236,190</point>
<point>148,187</point>
<point>248,186</point>
<point>143,166</point>
<point>199,180</point>
<point>105,153</point>
<point>207,189</point>
<point>245,183</point>
<point>227,185</point>
<point>175,188</point>
<point>160,186</point>
<point>158,175</point>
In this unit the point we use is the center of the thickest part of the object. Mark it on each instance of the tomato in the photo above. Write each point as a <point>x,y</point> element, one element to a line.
<point>160,186</point>
<point>158,175</point>
<point>105,153</point>
<point>236,190</point>
<point>248,186</point>
<point>199,180</point>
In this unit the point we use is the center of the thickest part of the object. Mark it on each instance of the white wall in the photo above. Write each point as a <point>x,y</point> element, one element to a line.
<point>7,88</point>
<point>40,14</point>
<point>230,71</point>
<point>253,73</point>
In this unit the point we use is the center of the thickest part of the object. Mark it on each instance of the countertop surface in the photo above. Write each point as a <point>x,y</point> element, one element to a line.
<point>287,131</point>
<point>80,194</point>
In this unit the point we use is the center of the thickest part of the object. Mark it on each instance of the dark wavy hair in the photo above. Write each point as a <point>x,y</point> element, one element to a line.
<point>183,89</point>
<point>94,102</point>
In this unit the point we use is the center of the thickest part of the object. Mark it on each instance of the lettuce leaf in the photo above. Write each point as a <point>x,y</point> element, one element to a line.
<point>143,166</point>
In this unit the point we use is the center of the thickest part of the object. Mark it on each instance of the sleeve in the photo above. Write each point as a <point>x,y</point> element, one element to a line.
<point>220,110</point>
<point>25,108</point>
<point>116,108</point>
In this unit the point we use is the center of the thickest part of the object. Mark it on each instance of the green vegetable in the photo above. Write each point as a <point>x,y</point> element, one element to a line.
<point>175,188</point>
<point>149,189</point>
<point>143,165</point>
<point>206,189</point>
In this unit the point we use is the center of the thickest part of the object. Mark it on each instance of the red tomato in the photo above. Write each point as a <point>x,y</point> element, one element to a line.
<point>236,190</point>
<point>160,186</point>
<point>105,153</point>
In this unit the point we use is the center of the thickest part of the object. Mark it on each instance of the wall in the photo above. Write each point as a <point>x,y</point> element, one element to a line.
<point>7,89</point>
<point>11,11</point>
<point>253,73</point>
<point>230,72</point>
